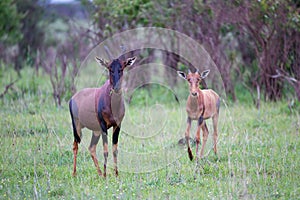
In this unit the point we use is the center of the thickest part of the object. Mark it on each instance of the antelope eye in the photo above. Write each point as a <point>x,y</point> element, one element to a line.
<point>188,79</point>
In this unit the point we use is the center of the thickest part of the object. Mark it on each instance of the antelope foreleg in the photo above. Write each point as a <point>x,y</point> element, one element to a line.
<point>197,141</point>
<point>104,140</point>
<point>187,138</point>
<point>205,136</point>
<point>115,147</point>
<point>200,124</point>
<point>105,150</point>
<point>215,134</point>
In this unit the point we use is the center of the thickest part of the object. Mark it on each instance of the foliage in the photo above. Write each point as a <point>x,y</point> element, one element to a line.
<point>255,43</point>
<point>112,16</point>
<point>235,33</point>
<point>274,32</point>
<point>32,31</point>
<point>9,22</point>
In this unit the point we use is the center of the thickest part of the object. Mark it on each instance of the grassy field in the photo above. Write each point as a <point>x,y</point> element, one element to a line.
<point>258,153</point>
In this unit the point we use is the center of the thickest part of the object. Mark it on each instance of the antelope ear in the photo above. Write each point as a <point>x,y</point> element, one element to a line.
<point>129,61</point>
<point>205,73</point>
<point>181,74</point>
<point>101,61</point>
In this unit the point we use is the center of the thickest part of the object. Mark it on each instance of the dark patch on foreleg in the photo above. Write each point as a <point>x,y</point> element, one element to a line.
<point>116,135</point>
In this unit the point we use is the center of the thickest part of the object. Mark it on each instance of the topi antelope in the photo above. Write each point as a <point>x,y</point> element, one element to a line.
<point>99,109</point>
<point>201,105</point>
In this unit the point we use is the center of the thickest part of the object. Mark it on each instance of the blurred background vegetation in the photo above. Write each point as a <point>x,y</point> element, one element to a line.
<point>255,44</point>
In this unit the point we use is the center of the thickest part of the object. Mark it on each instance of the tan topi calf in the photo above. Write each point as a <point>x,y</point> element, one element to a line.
<point>99,109</point>
<point>201,105</point>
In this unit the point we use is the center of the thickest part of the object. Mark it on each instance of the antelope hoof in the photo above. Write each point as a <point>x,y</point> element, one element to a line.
<point>190,154</point>
<point>117,173</point>
<point>100,173</point>
<point>215,150</point>
<point>74,174</point>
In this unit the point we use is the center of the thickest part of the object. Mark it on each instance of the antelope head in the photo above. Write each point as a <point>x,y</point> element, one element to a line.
<point>194,79</point>
<point>116,68</point>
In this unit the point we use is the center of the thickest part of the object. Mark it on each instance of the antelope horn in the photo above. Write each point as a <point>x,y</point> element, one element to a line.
<point>108,53</point>
<point>189,71</point>
<point>123,48</point>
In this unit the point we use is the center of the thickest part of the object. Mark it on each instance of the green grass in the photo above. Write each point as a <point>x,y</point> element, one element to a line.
<point>258,152</point>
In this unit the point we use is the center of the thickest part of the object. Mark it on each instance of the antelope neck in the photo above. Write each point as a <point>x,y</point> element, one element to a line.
<point>112,91</point>
<point>194,101</point>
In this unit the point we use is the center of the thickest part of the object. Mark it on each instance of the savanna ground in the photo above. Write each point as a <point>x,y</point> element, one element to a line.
<point>258,150</point>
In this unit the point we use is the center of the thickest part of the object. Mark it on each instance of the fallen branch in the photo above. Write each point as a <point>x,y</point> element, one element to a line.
<point>7,87</point>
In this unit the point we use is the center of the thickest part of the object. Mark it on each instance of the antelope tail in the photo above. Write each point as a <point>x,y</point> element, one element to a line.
<point>76,136</point>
